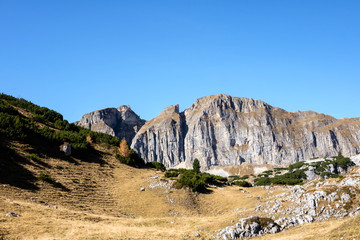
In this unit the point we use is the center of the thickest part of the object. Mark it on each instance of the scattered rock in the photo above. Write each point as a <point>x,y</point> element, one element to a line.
<point>66,148</point>
<point>249,227</point>
<point>197,234</point>
<point>12,214</point>
<point>142,189</point>
<point>310,173</point>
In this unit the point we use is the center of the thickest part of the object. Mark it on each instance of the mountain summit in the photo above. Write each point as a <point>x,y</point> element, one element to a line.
<point>121,122</point>
<point>225,130</point>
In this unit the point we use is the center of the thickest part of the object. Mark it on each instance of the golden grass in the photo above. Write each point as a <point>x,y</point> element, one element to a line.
<point>104,201</point>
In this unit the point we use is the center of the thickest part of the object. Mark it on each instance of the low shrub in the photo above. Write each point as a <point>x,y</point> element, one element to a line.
<point>157,165</point>
<point>196,181</point>
<point>133,159</point>
<point>242,183</point>
<point>280,169</point>
<point>170,174</point>
<point>328,175</point>
<point>296,165</point>
<point>234,177</point>
<point>34,157</point>
<point>262,181</point>
<point>45,177</point>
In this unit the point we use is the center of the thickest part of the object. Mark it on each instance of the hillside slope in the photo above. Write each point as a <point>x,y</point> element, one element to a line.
<point>102,200</point>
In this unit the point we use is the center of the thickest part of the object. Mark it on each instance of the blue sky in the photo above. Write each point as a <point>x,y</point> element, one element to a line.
<point>80,56</point>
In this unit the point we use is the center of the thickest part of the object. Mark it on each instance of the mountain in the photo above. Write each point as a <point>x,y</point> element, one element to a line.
<point>90,194</point>
<point>225,130</point>
<point>121,122</point>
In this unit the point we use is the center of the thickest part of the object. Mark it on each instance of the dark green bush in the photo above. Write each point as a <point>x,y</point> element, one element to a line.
<point>343,162</point>
<point>170,174</point>
<point>133,159</point>
<point>289,178</point>
<point>262,181</point>
<point>328,175</point>
<point>234,177</point>
<point>280,169</point>
<point>242,183</point>
<point>34,156</point>
<point>45,177</point>
<point>196,165</point>
<point>286,181</point>
<point>156,165</point>
<point>296,165</point>
<point>268,172</point>
<point>194,180</point>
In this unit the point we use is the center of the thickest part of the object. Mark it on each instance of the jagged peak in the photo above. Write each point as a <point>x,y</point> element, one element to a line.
<point>171,109</point>
<point>224,101</point>
<point>124,108</point>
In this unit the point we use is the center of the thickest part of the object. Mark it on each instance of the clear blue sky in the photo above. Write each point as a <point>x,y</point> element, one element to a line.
<point>79,56</point>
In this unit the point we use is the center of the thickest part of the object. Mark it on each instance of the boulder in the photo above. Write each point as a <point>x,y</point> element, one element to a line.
<point>66,148</point>
<point>12,214</point>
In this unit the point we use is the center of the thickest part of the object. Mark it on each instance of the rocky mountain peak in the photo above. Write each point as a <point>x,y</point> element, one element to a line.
<point>170,110</point>
<point>121,122</point>
<point>225,130</point>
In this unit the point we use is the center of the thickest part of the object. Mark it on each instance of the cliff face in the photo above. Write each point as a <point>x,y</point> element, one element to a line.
<point>222,130</point>
<point>121,122</point>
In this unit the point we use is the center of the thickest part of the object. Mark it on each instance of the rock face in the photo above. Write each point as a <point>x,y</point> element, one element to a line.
<point>223,130</point>
<point>121,122</point>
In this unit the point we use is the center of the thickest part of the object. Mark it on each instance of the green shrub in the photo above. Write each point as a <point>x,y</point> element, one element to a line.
<point>194,180</point>
<point>196,165</point>
<point>328,175</point>
<point>289,178</point>
<point>296,165</point>
<point>280,169</point>
<point>34,157</point>
<point>244,177</point>
<point>234,177</point>
<point>268,172</point>
<point>286,181</point>
<point>262,181</point>
<point>242,183</point>
<point>343,162</point>
<point>45,177</point>
<point>133,159</point>
<point>170,174</point>
<point>157,165</point>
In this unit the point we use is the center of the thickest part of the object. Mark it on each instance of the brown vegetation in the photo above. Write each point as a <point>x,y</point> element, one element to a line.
<point>124,149</point>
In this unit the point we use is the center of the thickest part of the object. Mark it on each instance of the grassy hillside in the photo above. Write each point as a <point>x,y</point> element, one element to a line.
<point>91,195</point>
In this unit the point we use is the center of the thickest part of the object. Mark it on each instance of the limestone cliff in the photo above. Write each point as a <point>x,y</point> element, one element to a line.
<point>121,122</point>
<point>223,130</point>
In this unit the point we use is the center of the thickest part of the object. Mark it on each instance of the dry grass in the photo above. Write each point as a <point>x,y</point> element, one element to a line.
<point>102,200</point>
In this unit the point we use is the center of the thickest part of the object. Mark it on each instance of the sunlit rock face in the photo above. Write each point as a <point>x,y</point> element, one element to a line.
<point>223,130</point>
<point>121,122</point>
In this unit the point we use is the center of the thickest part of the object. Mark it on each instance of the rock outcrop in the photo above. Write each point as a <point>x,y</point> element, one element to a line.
<point>309,203</point>
<point>121,122</point>
<point>225,130</point>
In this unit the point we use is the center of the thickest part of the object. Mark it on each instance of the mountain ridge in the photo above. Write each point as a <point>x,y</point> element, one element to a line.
<point>224,130</point>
